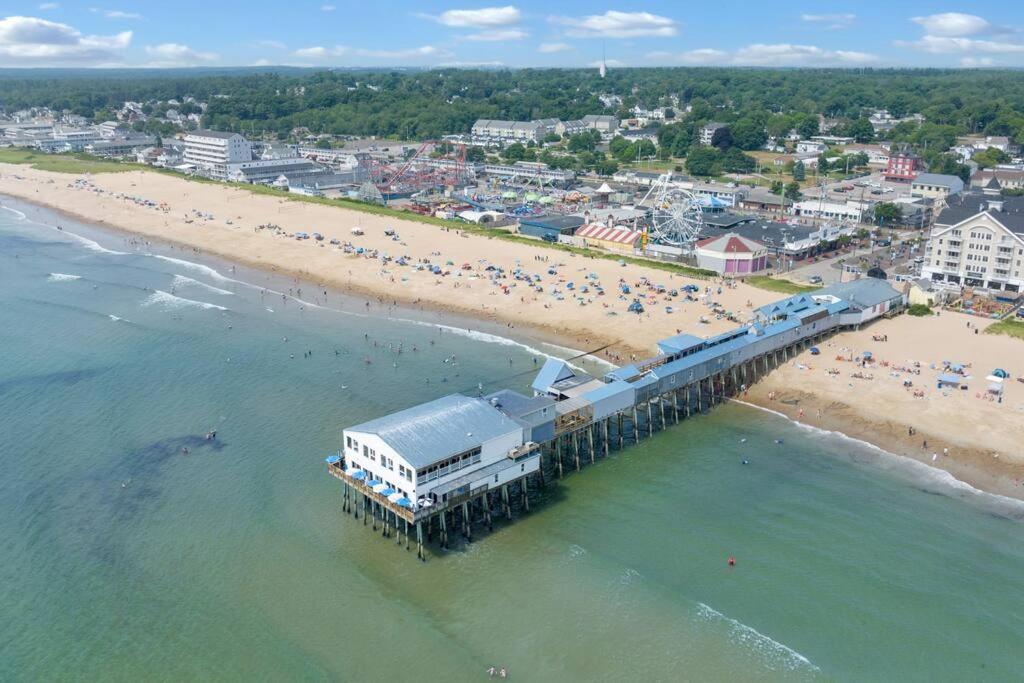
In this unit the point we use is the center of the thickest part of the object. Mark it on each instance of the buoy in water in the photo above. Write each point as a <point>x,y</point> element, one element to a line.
<point>732,561</point>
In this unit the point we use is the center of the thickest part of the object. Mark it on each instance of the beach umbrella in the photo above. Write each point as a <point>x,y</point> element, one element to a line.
<point>999,372</point>
<point>867,354</point>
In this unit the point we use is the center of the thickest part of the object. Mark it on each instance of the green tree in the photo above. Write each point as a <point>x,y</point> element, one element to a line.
<point>703,161</point>
<point>552,137</point>
<point>888,213</point>
<point>808,128</point>
<point>799,171</point>
<point>722,139</point>
<point>990,157</point>
<point>735,161</point>
<point>514,152</point>
<point>749,134</point>
<point>861,130</point>
<point>792,191</point>
<point>777,187</point>
<point>475,154</point>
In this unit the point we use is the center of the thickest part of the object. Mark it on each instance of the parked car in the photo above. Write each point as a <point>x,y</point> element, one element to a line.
<point>815,280</point>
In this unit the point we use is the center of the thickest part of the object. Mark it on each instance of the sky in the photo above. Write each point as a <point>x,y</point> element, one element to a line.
<point>530,33</point>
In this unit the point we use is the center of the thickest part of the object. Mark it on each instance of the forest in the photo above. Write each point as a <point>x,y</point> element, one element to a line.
<point>421,104</point>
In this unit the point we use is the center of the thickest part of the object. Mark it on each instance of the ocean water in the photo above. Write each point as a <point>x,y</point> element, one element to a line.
<point>127,558</point>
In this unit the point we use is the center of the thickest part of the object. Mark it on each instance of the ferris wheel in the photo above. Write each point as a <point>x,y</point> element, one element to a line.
<point>677,216</point>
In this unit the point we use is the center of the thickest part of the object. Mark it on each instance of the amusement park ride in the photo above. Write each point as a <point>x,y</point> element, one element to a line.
<point>676,214</point>
<point>434,165</point>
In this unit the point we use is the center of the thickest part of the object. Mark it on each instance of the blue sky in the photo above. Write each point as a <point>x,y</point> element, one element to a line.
<point>528,33</point>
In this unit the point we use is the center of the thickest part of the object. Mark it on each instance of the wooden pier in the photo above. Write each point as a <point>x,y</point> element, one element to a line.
<point>577,441</point>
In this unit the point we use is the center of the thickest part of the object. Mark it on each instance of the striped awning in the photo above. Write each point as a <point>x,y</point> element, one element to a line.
<point>599,231</point>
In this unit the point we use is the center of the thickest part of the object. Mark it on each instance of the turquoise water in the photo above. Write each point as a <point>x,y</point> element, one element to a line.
<point>125,558</point>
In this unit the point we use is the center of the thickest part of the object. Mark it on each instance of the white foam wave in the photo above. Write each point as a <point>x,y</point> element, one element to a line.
<point>167,300</point>
<point>115,318</point>
<point>197,267</point>
<point>63,277</point>
<point>775,654</point>
<point>938,480</point>
<point>21,216</point>
<point>91,245</point>
<point>182,281</point>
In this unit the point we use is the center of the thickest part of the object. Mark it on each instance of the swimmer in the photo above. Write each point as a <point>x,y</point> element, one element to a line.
<point>744,462</point>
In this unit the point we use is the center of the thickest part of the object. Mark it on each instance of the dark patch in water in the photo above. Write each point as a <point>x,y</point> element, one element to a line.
<point>63,378</point>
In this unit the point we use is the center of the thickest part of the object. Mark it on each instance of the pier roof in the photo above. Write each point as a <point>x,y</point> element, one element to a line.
<point>679,343</point>
<point>554,370</point>
<point>862,293</point>
<point>433,431</point>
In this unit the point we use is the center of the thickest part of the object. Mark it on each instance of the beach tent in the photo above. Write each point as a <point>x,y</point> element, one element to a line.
<point>999,372</point>
<point>815,350</point>
<point>950,379</point>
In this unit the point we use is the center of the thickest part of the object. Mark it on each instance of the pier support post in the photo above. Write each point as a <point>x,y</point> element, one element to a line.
<point>525,493</point>
<point>505,501</point>
<point>406,533</point>
<point>661,407</point>
<point>444,529</point>
<point>605,443</point>
<point>650,420</point>
<point>487,511</point>
<point>467,523</point>
<point>619,430</point>
<point>576,449</point>
<point>700,390</point>
<point>636,429</point>
<point>675,406</point>
<point>558,446</point>
<point>590,440</point>
<point>419,542</point>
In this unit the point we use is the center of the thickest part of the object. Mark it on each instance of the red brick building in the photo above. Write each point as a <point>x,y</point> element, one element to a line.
<point>903,167</point>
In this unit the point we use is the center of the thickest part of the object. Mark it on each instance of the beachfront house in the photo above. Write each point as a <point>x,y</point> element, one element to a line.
<point>978,241</point>
<point>440,450</point>
<point>210,152</point>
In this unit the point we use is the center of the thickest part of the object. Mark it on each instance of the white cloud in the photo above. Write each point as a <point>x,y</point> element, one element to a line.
<point>48,6</point>
<point>953,24</point>
<point>705,55</point>
<point>551,48</point>
<point>485,17</point>
<point>953,45</point>
<point>176,54</point>
<point>320,53</point>
<point>115,13</point>
<point>975,62</point>
<point>615,24</point>
<point>787,54</point>
<point>497,35</point>
<point>37,42</point>
<point>780,54</point>
<point>327,8</point>
<point>832,21</point>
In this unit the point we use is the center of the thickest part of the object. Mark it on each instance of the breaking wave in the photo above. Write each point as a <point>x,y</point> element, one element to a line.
<point>21,216</point>
<point>182,281</point>
<point>91,245</point>
<point>922,474</point>
<point>62,277</point>
<point>169,301</point>
<point>776,655</point>
<point>197,267</point>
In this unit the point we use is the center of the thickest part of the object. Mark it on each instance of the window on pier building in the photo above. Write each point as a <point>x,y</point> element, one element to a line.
<point>348,441</point>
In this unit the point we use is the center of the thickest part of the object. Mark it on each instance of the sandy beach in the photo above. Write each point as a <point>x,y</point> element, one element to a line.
<point>580,320</point>
<point>978,441</point>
